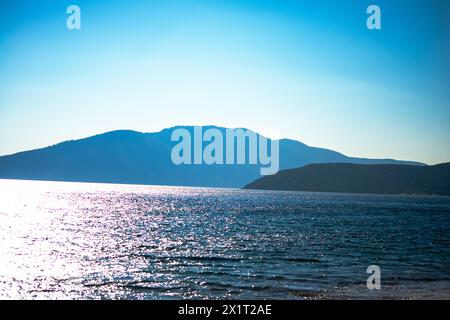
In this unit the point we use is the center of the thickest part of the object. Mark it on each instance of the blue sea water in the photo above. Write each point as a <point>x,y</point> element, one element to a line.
<point>97,241</point>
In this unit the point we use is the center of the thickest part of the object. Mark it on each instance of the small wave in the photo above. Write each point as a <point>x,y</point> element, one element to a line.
<point>302,260</point>
<point>237,287</point>
<point>188,258</point>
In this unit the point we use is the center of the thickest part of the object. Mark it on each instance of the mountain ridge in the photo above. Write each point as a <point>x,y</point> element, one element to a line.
<point>128,156</point>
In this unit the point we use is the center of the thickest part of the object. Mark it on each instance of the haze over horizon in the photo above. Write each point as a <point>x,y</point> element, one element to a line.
<point>311,72</point>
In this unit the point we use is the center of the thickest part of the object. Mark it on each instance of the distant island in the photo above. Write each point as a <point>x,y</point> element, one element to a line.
<point>358,178</point>
<point>131,157</point>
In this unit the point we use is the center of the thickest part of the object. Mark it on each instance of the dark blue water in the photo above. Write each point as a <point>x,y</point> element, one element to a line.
<point>71,240</point>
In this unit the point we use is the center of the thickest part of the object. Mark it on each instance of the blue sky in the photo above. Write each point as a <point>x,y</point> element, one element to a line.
<point>307,70</point>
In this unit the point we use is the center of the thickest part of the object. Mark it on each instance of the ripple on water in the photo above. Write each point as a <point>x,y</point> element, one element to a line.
<point>72,240</point>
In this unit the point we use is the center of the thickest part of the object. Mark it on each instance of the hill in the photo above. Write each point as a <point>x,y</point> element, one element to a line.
<point>357,178</point>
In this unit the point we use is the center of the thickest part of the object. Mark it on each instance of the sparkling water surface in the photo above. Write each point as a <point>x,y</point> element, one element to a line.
<point>63,240</point>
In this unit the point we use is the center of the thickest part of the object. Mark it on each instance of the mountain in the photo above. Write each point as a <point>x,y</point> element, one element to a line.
<point>357,178</point>
<point>145,158</point>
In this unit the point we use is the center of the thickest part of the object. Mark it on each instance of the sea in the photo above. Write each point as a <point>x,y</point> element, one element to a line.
<point>64,240</point>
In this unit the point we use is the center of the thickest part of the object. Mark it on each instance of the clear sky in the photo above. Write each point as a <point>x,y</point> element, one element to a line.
<point>306,70</point>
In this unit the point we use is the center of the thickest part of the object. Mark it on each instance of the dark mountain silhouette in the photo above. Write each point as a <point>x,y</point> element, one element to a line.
<point>145,158</point>
<point>357,178</point>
